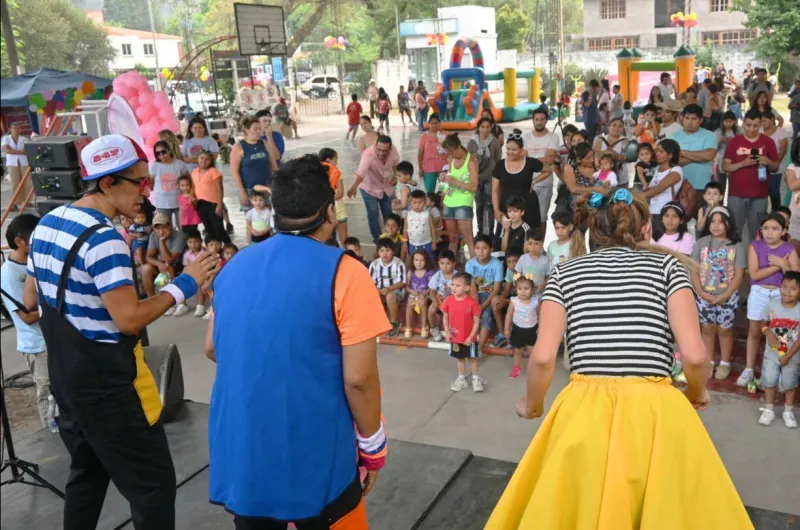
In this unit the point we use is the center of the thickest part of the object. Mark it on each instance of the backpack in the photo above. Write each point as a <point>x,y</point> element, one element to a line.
<point>687,197</point>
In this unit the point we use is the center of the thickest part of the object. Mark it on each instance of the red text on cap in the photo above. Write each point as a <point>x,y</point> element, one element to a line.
<point>104,156</point>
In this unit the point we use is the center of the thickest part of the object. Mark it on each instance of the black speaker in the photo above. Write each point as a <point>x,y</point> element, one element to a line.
<point>165,365</point>
<point>56,152</point>
<point>45,206</point>
<point>58,183</point>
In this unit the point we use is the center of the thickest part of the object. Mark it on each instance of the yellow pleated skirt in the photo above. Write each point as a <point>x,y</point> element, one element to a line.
<point>619,454</point>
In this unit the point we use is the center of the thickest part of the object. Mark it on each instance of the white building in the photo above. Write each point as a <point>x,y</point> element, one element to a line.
<point>426,61</point>
<point>136,47</point>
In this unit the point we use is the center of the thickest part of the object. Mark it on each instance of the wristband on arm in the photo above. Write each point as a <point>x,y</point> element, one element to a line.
<point>372,450</point>
<point>181,288</point>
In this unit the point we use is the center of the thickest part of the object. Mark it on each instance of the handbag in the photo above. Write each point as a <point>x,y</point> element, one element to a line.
<point>687,197</point>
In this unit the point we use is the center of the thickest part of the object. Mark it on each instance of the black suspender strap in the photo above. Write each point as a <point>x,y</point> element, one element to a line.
<point>73,253</point>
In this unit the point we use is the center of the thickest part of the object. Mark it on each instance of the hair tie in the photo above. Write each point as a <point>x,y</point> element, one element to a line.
<point>719,209</point>
<point>596,199</point>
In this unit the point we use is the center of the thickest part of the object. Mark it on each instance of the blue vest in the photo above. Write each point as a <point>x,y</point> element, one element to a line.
<point>255,165</point>
<point>281,435</point>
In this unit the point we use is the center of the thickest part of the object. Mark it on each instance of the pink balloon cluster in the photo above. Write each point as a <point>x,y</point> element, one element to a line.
<point>152,109</point>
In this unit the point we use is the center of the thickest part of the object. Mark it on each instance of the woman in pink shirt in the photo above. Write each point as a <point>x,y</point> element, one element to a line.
<point>431,157</point>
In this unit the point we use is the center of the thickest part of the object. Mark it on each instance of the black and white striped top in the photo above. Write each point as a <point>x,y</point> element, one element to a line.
<point>616,303</point>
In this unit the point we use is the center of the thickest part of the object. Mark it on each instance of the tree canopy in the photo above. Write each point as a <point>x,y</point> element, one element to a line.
<point>779,25</point>
<point>56,34</point>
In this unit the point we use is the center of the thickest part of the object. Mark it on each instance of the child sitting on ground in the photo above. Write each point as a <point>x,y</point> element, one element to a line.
<point>487,274</point>
<point>406,185</point>
<point>330,158</point>
<point>258,218</point>
<point>418,289</point>
<point>187,202</point>
<point>194,250</point>
<point>606,175</point>
<point>440,288</point>
<point>354,245</point>
<point>534,261</point>
<point>140,231</point>
<point>522,320</point>
<point>462,316</point>
<point>419,230</point>
<point>501,301</point>
<point>392,231</point>
<point>515,230</point>
<point>30,341</point>
<point>781,364</point>
<point>645,167</point>
<point>388,273</point>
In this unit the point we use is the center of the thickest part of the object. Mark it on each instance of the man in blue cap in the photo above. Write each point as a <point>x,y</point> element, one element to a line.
<point>91,316</point>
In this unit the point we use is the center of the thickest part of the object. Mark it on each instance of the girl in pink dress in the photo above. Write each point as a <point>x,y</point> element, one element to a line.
<point>187,201</point>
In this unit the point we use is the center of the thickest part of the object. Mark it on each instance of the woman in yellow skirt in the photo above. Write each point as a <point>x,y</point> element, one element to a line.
<point>621,448</point>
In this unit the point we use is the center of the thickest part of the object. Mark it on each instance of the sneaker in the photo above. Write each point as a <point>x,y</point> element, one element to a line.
<point>408,334</point>
<point>515,372</point>
<point>207,316</point>
<point>459,384</point>
<point>499,340</point>
<point>746,378</point>
<point>180,310</point>
<point>477,383</point>
<point>436,334</point>
<point>200,311</point>
<point>767,415</point>
<point>789,420</point>
<point>424,333</point>
<point>395,329</point>
<point>722,371</point>
<point>169,311</point>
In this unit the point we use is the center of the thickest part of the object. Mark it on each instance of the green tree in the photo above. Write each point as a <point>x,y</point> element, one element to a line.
<point>512,25</point>
<point>705,55</point>
<point>131,14</point>
<point>779,25</point>
<point>74,43</point>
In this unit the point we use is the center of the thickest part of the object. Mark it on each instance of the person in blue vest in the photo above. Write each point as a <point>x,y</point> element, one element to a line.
<point>253,160</point>
<point>265,117</point>
<point>296,405</point>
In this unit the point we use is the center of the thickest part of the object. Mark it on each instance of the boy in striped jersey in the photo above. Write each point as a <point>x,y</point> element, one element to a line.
<point>388,272</point>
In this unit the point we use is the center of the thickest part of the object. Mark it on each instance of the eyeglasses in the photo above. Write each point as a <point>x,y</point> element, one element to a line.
<point>159,153</point>
<point>145,184</point>
<point>514,136</point>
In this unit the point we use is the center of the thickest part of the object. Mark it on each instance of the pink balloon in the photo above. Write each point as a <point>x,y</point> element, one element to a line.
<point>133,101</point>
<point>166,114</point>
<point>160,99</point>
<point>143,114</point>
<point>145,99</point>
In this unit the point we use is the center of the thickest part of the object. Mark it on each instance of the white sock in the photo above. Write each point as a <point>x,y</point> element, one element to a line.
<point>788,408</point>
<point>462,377</point>
<point>769,406</point>
<point>724,363</point>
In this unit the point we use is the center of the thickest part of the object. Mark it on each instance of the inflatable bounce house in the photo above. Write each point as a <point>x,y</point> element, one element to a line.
<point>630,64</point>
<point>469,102</point>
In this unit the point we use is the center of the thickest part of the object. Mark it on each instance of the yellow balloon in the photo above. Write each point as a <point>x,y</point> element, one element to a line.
<point>680,14</point>
<point>78,96</point>
<point>692,16</point>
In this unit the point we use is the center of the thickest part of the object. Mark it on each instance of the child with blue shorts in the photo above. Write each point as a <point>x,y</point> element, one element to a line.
<point>487,274</point>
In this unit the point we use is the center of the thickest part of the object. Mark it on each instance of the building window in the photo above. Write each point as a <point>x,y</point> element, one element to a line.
<point>667,40</point>
<point>739,36</point>
<point>611,9</point>
<point>126,50</point>
<point>148,49</point>
<point>663,9</point>
<point>613,43</point>
<point>718,6</point>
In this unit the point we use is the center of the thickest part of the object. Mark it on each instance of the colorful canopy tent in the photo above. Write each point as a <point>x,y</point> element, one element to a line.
<point>46,91</point>
<point>630,63</point>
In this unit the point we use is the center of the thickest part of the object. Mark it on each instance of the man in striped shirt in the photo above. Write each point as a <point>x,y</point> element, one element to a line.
<point>91,316</point>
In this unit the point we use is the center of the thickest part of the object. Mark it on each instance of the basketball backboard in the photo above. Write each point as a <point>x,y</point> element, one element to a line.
<point>260,29</point>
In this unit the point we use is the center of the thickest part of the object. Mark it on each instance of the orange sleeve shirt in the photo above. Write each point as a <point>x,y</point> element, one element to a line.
<point>359,311</point>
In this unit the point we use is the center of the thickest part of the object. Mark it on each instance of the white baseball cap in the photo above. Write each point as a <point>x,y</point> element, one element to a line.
<point>110,154</point>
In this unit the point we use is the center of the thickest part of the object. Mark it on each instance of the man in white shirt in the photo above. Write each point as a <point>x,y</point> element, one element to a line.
<point>666,87</point>
<point>617,102</point>
<point>670,111</point>
<point>542,144</point>
<point>13,145</point>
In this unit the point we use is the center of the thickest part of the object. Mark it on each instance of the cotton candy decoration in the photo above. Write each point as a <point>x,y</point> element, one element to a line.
<point>152,110</point>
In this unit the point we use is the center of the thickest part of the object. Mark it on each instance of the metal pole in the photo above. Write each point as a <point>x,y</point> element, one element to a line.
<point>155,48</point>
<point>397,27</point>
<point>561,39</point>
<point>8,33</point>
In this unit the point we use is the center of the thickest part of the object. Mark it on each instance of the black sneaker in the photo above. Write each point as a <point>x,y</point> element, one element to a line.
<point>229,228</point>
<point>395,329</point>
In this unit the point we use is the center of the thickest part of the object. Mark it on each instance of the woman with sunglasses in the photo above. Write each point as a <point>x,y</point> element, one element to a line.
<point>165,171</point>
<point>110,410</point>
<point>514,176</point>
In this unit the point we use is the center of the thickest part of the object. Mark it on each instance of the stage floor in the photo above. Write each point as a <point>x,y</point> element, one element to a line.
<point>422,487</point>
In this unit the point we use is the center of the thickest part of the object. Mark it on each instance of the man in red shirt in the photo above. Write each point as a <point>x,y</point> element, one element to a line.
<point>354,112</point>
<point>749,159</point>
<point>462,316</point>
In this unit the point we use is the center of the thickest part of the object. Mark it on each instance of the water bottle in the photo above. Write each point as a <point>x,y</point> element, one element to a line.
<point>762,173</point>
<point>52,412</point>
